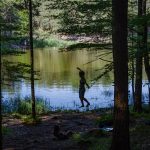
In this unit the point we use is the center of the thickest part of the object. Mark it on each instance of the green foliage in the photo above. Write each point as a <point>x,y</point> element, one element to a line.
<point>52,42</point>
<point>103,71</point>
<point>23,19</point>
<point>25,107</point>
<point>14,24</point>
<point>74,16</point>
<point>90,17</point>
<point>29,120</point>
<point>15,71</point>
<point>12,72</point>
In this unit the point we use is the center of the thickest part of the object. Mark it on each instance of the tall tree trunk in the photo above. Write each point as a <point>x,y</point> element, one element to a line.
<point>149,93</point>
<point>120,139</point>
<point>132,76</point>
<point>1,137</point>
<point>147,65</point>
<point>138,80</point>
<point>32,60</point>
<point>146,52</point>
<point>146,55</point>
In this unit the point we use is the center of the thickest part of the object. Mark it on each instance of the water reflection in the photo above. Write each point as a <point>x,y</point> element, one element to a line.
<point>59,79</point>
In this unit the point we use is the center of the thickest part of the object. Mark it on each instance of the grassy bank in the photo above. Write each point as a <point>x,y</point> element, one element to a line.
<point>15,46</point>
<point>52,41</point>
<point>23,106</point>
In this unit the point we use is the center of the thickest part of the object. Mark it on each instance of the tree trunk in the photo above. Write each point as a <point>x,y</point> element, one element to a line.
<point>149,94</point>
<point>1,137</point>
<point>120,139</point>
<point>32,61</point>
<point>132,76</point>
<point>146,55</point>
<point>139,55</point>
<point>146,52</point>
<point>147,65</point>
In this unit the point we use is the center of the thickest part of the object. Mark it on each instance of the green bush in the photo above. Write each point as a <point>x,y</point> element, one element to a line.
<point>25,107</point>
<point>52,42</point>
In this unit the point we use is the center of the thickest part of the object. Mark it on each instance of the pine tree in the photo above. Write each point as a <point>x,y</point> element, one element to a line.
<point>120,139</point>
<point>32,61</point>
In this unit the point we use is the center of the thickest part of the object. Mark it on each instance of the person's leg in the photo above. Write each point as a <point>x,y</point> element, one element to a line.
<point>81,99</point>
<point>88,103</point>
<point>81,96</point>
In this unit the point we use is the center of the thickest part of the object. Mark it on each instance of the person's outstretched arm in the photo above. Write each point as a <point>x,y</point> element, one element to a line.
<point>79,69</point>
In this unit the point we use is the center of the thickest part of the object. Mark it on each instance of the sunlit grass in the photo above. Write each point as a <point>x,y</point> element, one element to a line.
<point>29,120</point>
<point>52,42</point>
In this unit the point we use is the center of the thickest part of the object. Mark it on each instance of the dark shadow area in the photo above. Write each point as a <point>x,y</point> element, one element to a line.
<point>89,45</point>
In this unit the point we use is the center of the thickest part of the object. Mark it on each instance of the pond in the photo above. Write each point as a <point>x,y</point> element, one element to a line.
<point>59,80</point>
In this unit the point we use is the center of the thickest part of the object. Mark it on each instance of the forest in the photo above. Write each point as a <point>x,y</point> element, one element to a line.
<point>75,74</point>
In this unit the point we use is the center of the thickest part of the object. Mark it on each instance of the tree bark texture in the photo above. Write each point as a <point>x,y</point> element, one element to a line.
<point>1,137</point>
<point>139,56</point>
<point>120,139</point>
<point>146,52</point>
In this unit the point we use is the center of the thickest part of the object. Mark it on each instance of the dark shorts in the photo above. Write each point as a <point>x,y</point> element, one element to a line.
<point>81,93</point>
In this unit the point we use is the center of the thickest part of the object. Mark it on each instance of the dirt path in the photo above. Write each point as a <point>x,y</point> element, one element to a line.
<point>40,137</point>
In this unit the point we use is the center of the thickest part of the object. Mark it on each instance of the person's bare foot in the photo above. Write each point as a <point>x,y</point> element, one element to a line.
<point>81,106</point>
<point>88,105</point>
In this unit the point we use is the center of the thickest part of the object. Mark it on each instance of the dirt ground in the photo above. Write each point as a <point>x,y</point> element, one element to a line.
<point>40,137</point>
